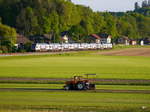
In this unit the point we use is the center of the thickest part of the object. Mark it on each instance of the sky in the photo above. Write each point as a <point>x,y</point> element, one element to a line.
<point>109,5</point>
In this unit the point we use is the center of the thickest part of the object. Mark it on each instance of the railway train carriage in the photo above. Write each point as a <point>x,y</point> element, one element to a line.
<point>69,47</point>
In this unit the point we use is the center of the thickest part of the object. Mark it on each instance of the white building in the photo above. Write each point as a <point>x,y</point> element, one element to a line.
<point>102,38</point>
<point>68,47</point>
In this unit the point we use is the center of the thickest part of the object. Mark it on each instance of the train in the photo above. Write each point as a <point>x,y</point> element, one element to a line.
<point>39,47</point>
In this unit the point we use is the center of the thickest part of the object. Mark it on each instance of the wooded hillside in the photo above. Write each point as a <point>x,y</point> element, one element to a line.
<point>37,17</point>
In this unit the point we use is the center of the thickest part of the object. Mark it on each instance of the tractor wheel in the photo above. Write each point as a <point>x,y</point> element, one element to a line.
<point>67,88</point>
<point>92,86</point>
<point>80,86</point>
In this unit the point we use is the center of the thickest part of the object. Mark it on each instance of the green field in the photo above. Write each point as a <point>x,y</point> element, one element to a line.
<point>75,100</point>
<point>60,86</point>
<point>33,97</point>
<point>65,66</point>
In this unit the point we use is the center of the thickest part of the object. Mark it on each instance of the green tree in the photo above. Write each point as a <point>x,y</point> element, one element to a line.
<point>54,20</point>
<point>38,17</point>
<point>143,24</point>
<point>27,22</point>
<point>77,33</point>
<point>110,26</point>
<point>7,38</point>
<point>125,28</point>
<point>98,22</point>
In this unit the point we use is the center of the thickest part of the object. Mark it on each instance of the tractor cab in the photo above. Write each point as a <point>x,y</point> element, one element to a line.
<point>80,83</point>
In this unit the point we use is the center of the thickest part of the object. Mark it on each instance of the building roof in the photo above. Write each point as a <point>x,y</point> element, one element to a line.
<point>104,35</point>
<point>64,33</point>
<point>99,36</point>
<point>95,36</point>
<point>125,38</point>
<point>22,39</point>
<point>40,38</point>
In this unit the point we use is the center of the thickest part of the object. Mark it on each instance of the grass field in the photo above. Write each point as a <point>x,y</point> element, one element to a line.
<point>65,66</point>
<point>76,101</point>
<point>60,86</point>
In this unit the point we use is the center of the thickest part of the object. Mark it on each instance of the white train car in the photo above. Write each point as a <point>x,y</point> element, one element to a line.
<point>69,47</point>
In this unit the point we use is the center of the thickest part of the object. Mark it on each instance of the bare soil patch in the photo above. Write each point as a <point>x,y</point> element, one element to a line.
<point>128,52</point>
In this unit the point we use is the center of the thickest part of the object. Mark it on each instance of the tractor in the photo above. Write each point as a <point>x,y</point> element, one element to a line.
<point>80,83</point>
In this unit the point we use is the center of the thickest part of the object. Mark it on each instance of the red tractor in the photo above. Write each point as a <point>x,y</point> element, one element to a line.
<point>80,83</point>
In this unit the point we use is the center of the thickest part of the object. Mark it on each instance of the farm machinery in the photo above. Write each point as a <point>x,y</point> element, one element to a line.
<point>80,83</point>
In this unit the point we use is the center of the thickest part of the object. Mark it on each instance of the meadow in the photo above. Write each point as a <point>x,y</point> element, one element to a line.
<point>43,96</point>
<point>68,65</point>
<point>60,86</point>
<point>76,101</point>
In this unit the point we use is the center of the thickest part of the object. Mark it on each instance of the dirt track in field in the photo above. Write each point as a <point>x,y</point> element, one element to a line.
<point>128,52</point>
<point>61,90</point>
<point>51,80</point>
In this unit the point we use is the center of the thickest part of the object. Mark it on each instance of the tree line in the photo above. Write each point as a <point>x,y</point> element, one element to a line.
<point>144,8</point>
<point>38,17</point>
